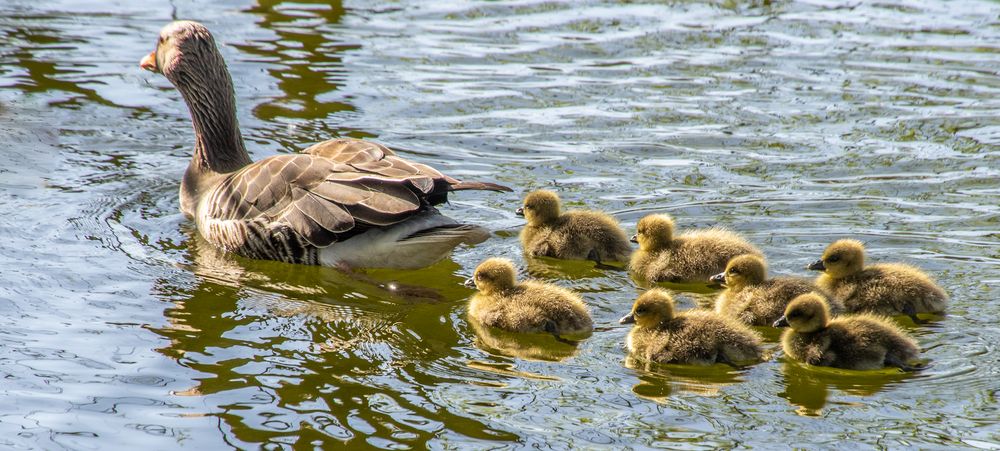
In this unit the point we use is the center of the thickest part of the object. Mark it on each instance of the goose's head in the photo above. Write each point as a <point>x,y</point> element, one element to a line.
<point>806,313</point>
<point>540,207</point>
<point>741,271</point>
<point>651,309</point>
<point>493,275</point>
<point>841,259</point>
<point>184,49</point>
<point>654,232</point>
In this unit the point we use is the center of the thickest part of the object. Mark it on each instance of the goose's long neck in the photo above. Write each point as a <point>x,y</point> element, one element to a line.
<point>208,91</point>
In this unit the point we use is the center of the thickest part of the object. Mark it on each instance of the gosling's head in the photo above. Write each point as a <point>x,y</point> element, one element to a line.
<point>493,275</point>
<point>540,207</point>
<point>654,232</point>
<point>841,259</point>
<point>651,309</point>
<point>806,313</point>
<point>742,270</point>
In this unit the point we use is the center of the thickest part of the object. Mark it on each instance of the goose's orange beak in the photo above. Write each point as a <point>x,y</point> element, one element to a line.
<point>149,62</point>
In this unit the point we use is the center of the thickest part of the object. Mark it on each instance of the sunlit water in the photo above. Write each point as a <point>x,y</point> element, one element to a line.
<point>794,123</point>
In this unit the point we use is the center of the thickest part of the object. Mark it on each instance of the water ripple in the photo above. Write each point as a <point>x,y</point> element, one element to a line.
<point>795,123</point>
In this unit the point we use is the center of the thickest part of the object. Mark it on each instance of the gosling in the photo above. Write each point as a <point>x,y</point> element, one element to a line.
<point>858,342</point>
<point>695,337</point>
<point>691,257</point>
<point>574,235</point>
<point>529,306</point>
<point>886,288</point>
<point>754,299</point>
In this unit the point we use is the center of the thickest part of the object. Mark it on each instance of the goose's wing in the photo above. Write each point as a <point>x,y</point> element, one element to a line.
<point>338,189</point>
<point>374,158</point>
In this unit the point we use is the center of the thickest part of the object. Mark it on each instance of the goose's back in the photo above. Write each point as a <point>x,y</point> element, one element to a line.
<point>285,207</point>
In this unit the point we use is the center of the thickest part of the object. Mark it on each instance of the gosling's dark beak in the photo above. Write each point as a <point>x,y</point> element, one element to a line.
<point>718,278</point>
<point>470,283</point>
<point>627,319</point>
<point>817,266</point>
<point>519,212</point>
<point>149,62</point>
<point>634,239</point>
<point>781,322</point>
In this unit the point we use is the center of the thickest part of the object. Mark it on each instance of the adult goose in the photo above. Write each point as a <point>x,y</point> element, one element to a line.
<point>343,202</point>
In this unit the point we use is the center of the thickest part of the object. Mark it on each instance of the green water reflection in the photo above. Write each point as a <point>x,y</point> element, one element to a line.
<point>340,361</point>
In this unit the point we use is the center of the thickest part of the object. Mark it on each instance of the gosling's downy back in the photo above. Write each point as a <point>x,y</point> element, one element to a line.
<point>861,342</point>
<point>886,288</point>
<point>693,256</point>
<point>574,235</point>
<point>528,306</point>
<point>754,299</point>
<point>697,337</point>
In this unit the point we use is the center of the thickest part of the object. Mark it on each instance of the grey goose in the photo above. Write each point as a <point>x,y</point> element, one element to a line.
<point>343,202</point>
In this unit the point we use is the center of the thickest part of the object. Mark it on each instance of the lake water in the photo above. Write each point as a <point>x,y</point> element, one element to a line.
<point>795,123</point>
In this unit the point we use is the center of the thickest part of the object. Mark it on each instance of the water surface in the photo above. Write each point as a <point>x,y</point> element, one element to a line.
<point>795,123</point>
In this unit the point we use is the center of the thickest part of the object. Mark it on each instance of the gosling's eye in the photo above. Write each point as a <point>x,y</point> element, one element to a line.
<point>640,310</point>
<point>833,259</point>
<point>734,271</point>
<point>480,277</point>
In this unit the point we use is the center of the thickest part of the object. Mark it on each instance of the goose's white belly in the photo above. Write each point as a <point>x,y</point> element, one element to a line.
<point>387,248</point>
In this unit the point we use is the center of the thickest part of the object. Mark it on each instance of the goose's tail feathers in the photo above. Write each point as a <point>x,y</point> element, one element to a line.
<point>479,186</point>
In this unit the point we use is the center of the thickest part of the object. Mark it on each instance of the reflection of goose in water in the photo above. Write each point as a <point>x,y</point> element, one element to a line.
<point>657,381</point>
<point>266,337</point>
<point>285,290</point>
<point>522,346</point>
<point>580,275</point>
<point>808,387</point>
<point>316,281</point>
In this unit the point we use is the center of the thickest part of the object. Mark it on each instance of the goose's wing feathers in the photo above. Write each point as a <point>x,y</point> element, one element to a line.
<point>335,190</point>
<point>373,158</point>
<point>369,158</point>
<point>287,190</point>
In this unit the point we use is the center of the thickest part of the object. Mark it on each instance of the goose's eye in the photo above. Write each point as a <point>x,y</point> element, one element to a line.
<point>640,311</point>
<point>833,259</point>
<point>734,271</point>
<point>480,276</point>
